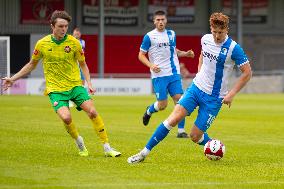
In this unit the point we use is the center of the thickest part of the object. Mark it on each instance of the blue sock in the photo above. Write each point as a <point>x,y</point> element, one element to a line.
<point>206,138</point>
<point>152,109</point>
<point>160,133</point>
<point>181,124</point>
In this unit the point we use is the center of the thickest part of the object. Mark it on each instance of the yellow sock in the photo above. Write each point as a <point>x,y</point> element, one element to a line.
<point>100,129</point>
<point>71,129</point>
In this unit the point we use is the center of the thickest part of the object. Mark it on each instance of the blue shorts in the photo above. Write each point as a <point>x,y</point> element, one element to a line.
<point>209,106</point>
<point>168,84</point>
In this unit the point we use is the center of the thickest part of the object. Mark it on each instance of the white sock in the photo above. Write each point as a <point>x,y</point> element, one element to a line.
<point>156,107</point>
<point>201,139</point>
<point>181,130</point>
<point>167,125</point>
<point>80,143</point>
<point>106,147</point>
<point>145,151</point>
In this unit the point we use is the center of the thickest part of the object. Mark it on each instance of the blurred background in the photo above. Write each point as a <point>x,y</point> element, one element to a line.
<point>113,31</point>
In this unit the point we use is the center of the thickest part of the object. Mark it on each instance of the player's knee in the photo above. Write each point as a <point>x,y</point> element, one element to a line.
<point>92,113</point>
<point>66,119</point>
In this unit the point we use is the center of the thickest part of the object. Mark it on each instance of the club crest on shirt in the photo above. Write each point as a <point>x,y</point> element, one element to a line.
<point>35,52</point>
<point>67,49</point>
<point>224,51</point>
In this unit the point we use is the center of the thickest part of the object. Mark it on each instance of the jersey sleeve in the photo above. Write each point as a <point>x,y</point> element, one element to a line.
<point>146,43</point>
<point>37,54</point>
<point>239,56</point>
<point>79,53</point>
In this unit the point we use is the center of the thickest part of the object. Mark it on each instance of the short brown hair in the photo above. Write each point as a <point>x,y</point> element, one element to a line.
<point>59,14</point>
<point>219,20</point>
<point>159,13</point>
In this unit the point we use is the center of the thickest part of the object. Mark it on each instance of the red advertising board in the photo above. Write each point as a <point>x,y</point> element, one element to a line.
<point>121,53</point>
<point>39,11</point>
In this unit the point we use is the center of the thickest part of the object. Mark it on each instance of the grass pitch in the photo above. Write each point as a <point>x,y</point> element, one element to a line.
<point>36,152</point>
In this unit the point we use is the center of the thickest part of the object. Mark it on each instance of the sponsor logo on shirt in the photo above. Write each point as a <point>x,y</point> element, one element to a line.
<point>209,56</point>
<point>35,52</point>
<point>163,44</point>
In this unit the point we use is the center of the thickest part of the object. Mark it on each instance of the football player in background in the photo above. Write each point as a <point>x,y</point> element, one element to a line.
<point>209,89</point>
<point>160,44</point>
<point>77,34</point>
<point>60,54</point>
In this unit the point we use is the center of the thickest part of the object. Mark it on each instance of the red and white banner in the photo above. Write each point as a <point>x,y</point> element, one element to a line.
<point>178,11</point>
<point>254,11</point>
<point>39,11</point>
<point>116,12</point>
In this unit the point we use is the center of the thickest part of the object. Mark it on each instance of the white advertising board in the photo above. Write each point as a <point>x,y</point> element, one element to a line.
<point>102,86</point>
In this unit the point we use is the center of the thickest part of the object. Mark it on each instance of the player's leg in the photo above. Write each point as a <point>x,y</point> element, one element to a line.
<point>161,132</point>
<point>208,111</point>
<point>99,127</point>
<point>181,131</point>
<point>60,105</point>
<point>86,103</point>
<point>185,106</point>
<point>65,116</point>
<point>176,91</point>
<point>160,89</point>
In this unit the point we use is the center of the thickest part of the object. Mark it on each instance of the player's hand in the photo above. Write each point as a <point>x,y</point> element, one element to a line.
<point>7,82</point>
<point>228,99</point>
<point>189,54</point>
<point>92,90</point>
<point>155,68</point>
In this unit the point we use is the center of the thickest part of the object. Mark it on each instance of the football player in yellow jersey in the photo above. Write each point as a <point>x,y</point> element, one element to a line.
<point>60,54</point>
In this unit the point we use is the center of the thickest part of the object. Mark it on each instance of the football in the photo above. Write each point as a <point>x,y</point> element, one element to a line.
<point>214,149</point>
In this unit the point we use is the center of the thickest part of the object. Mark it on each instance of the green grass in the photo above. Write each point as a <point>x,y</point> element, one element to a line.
<point>36,152</point>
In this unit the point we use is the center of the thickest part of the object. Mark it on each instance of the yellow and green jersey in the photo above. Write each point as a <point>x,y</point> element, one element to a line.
<point>59,59</point>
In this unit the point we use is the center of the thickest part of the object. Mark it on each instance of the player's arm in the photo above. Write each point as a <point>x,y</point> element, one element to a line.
<point>30,66</point>
<point>200,62</point>
<point>86,73</point>
<point>188,53</point>
<point>241,82</point>
<point>142,57</point>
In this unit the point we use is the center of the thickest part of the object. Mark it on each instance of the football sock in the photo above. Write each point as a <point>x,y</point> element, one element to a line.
<point>71,129</point>
<point>160,133</point>
<point>181,124</point>
<point>204,139</point>
<point>106,147</point>
<point>80,143</point>
<point>181,130</point>
<point>145,151</point>
<point>99,127</point>
<point>153,108</point>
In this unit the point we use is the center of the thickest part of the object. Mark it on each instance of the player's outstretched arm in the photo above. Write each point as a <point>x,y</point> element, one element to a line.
<point>30,66</point>
<point>243,79</point>
<point>188,53</point>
